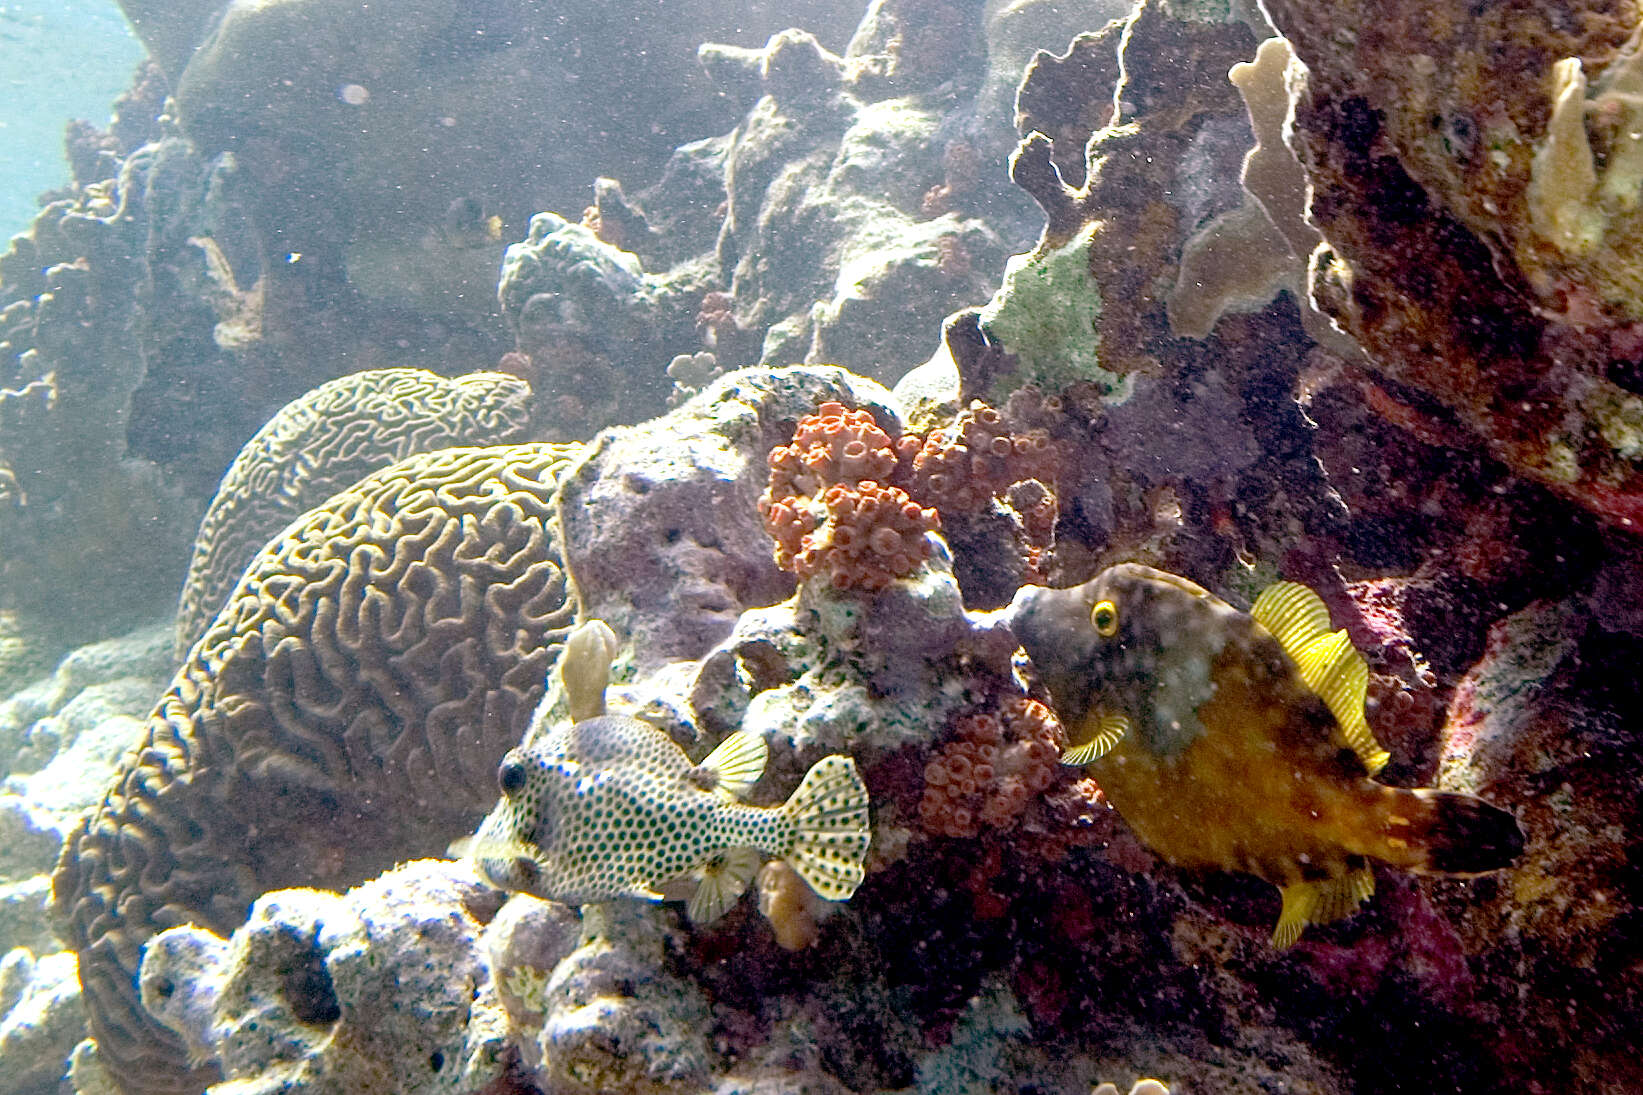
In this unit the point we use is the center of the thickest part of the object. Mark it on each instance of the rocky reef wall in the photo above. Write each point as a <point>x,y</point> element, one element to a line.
<point>792,357</point>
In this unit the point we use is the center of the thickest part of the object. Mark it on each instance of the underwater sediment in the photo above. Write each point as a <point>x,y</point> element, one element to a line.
<point>794,365</point>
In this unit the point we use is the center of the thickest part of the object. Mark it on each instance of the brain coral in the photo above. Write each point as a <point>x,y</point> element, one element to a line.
<point>326,440</point>
<point>345,709</point>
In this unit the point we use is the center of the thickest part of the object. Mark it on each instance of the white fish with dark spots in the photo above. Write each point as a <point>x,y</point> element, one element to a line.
<point>611,807</point>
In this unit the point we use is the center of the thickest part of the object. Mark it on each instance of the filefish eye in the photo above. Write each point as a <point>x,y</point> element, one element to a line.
<point>510,776</point>
<point>1105,618</point>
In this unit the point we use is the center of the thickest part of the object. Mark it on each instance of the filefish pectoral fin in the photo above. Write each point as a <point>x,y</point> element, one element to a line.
<point>736,763</point>
<point>1320,902</point>
<point>1109,730</point>
<point>723,881</point>
<point>1328,662</point>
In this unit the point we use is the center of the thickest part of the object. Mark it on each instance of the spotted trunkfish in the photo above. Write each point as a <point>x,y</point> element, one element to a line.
<point>611,807</point>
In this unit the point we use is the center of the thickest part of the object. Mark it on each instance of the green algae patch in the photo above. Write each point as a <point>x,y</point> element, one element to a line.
<point>1045,314</point>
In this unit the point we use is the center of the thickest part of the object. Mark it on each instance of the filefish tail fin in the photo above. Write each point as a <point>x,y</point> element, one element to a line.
<point>1320,902</point>
<point>724,879</point>
<point>831,828</point>
<point>1454,834</point>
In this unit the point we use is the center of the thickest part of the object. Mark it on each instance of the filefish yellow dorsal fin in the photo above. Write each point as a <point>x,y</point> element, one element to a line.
<point>1320,902</point>
<point>1328,662</point>
<point>737,762</point>
<point>723,882</point>
<point>1109,730</point>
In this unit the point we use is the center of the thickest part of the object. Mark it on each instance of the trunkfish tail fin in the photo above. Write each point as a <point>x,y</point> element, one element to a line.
<point>831,828</point>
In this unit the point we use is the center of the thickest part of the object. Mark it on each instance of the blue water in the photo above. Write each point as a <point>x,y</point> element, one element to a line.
<point>59,60</point>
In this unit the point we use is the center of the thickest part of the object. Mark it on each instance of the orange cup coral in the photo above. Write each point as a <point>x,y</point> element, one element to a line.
<point>830,509</point>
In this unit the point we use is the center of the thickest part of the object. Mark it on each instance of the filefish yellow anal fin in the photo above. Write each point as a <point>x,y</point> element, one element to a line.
<point>1328,662</point>
<point>1320,902</point>
<point>1109,730</point>
<point>736,763</point>
<point>724,880</point>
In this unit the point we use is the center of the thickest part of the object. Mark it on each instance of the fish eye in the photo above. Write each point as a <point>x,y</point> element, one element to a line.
<point>1105,618</point>
<point>510,776</point>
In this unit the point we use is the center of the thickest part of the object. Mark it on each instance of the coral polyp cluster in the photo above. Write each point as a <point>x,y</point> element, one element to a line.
<point>830,509</point>
<point>1004,461</point>
<point>989,773</point>
<point>960,468</point>
<point>873,535</point>
<point>834,445</point>
<point>847,500</point>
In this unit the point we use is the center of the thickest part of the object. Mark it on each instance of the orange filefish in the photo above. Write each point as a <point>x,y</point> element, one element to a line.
<point>1237,740</point>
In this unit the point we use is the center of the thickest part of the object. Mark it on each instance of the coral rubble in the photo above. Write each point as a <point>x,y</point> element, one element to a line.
<point>315,991</point>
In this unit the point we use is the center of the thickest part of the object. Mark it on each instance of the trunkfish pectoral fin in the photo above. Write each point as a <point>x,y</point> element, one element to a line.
<point>724,879</point>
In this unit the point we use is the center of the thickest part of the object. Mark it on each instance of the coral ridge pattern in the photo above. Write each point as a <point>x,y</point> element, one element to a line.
<point>371,666</point>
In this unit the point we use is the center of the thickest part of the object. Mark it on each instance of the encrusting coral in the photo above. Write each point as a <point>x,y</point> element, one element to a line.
<point>1475,176</point>
<point>1077,316</point>
<point>91,301</point>
<point>374,663</point>
<point>329,439</point>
